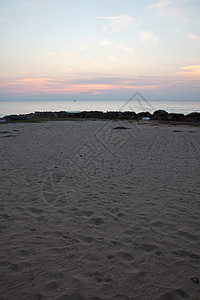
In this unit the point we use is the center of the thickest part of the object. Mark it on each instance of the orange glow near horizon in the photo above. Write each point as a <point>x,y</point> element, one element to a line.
<point>52,85</point>
<point>192,71</point>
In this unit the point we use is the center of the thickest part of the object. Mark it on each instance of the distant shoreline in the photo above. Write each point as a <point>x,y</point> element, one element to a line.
<point>160,115</point>
<point>26,107</point>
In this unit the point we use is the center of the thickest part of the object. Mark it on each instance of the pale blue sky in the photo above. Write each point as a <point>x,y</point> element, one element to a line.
<point>99,49</point>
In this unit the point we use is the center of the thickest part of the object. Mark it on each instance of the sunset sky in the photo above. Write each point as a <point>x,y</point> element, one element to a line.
<point>92,49</point>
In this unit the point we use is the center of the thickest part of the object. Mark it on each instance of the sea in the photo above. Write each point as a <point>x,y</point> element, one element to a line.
<point>24,107</point>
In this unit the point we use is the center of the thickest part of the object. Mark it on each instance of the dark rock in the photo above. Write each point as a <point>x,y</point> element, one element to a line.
<point>111,115</point>
<point>160,112</point>
<point>160,115</point>
<point>193,117</point>
<point>176,117</point>
<point>130,115</point>
<point>39,114</point>
<point>114,115</point>
<point>16,117</point>
<point>91,114</point>
<point>144,115</point>
<point>120,127</point>
<point>62,114</point>
<point>32,116</point>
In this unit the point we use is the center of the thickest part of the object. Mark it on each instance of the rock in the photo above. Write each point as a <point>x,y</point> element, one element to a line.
<point>32,116</point>
<point>160,112</point>
<point>16,117</point>
<point>93,114</point>
<point>39,114</point>
<point>130,115</point>
<point>193,117</point>
<point>111,115</point>
<point>176,117</point>
<point>144,115</point>
<point>62,114</point>
<point>120,127</point>
<point>160,115</point>
<point>114,115</point>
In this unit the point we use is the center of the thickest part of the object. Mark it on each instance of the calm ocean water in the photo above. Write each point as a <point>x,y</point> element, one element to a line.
<point>22,107</point>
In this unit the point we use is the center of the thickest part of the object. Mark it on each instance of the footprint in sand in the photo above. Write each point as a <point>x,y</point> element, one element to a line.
<point>174,294</point>
<point>102,277</point>
<point>116,243</point>
<point>110,257</point>
<point>35,210</point>
<point>194,256</point>
<point>14,268</point>
<point>54,275</point>
<point>59,190</point>
<point>121,214</point>
<point>74,296</point>
<point>158,224</point>
<point>96,221</point>
<point>183,253</point>
<point>125,256</point>
<point>52,287</point>
<point>23,253</point>
<point>87,239</point>
<point>84,213</point>
<point>148,247</point>
<point>36,297</point>
<point>95,298</point>
<point>55,251</point>
<point>120,297</point>
<point>180,253</point>
<point>188,236</point>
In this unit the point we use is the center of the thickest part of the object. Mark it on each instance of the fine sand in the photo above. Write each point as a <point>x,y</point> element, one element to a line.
<point>93,212</point>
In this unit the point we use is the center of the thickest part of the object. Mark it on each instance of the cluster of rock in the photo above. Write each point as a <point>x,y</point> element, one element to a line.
<point>111,115</point>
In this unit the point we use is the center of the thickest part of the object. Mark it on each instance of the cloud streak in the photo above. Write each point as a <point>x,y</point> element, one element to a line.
<point>193,70</point>
<point>64,86</point>
<point>111,58</point>
<point>126,49</point>
<point>116,23</point>
<point>170,10</point>
<point>105,42</point>
<point>147,37</point>
<point>192,36</point>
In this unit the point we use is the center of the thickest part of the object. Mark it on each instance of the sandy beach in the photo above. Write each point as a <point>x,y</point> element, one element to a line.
<point>99,210</point>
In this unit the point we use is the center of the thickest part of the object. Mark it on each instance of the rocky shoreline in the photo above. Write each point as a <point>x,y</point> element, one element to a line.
<point>160,115</point>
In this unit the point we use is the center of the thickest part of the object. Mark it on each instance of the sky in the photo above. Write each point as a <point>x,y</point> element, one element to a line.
<point>101,50</point>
